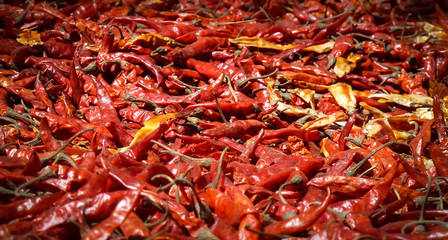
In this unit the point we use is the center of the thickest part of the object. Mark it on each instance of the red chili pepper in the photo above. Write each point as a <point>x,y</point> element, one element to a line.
<point>332,28</point>
<point>3,102</point>
<point>138,150</point>
<point>144,60</point>
<point>344,184</point>
<point>346,130</point>
<point>207,69</point>
<point>301,222</point>
<point>419,177</point>
<point>236,108</point>
<point>377,194</point>
<point>440,160</point>
<point>21,92</point>
<point>51,144</point>
<point>235,128</point>
<point>98,208</point>
<point>106,227</point>
<point>26,207</point>
<point>201,46</point>
<point>252,144</point>
<point>25,156</point>
<point>439,121</point>
<point>41,93</point>
<point>133,226</point>
<point>251,221</point>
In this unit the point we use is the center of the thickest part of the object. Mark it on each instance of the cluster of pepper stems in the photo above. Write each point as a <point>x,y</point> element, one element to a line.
<point>223,119</point>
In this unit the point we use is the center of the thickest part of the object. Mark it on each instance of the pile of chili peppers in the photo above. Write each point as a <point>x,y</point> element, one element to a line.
<point>223,119</point>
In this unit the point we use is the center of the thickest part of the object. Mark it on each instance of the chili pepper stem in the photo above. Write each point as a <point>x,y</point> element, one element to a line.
<point>368,170</point>
<point>296,180</point>
<point>172,183</point>
<point>55,153</point>
<point>340,215</point>
<point>19,19</point>
<point>48,173</point>
<point>13,122</point>
<point>214,184</point>
<point>352,171</point>
<point>34,141</point>
<point>156,236</point>
<point>219,108</point>
<point>13,114</point>
<point>62,156</point>
<point>240,83</point>
<point>204,161</point>
<point>9,144</point>
<point>5,191</point>
<point>227,80</point>
<point>163,218</point>
<point>268,234</point>
<point>204,211</point>
<point>131,98</point>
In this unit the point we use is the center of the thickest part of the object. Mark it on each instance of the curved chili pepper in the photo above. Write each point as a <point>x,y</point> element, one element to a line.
<point>251,146</point>
<point>205,68</point>
<point>237,108</point>
<point>139,149</point>
<point>235,128</point>
<point>28,206</point>
<point>301,222</point>
<point>332,28</point>
<point>133,226</point>
<point>25,155</point>
<point>106,227</point>
<point>144,60</point>
<point>439,120</point>
<point>201,46</point>
<point>21,92</point>
<point>440,160</point>
<point>346,130</point>
<point>3,102</point>
<point>377,194</point>
<point>99,207</point>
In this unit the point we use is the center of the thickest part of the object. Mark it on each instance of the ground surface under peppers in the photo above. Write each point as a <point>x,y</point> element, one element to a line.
<point>223,119</point>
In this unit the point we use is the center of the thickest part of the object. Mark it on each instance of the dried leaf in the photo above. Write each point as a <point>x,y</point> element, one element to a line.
<point>344,96</point>
<point>274,95</point>
<point>325,120</point>
<point>292,110</point>
<point>321,48</point>
<point>344,66</point>
<point>30,38</point>
<point>94,47</point>
<point>407,100</point>
<point>374,111</point>
<point>147,40</point>
<point>151,125</point>
<point>432,31</point>
<point>426,113</point>
<point>324,147</point>
<point>402,136</point>
<point>259,43</point>
<point>8,72</point>
<point>306,94</point>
